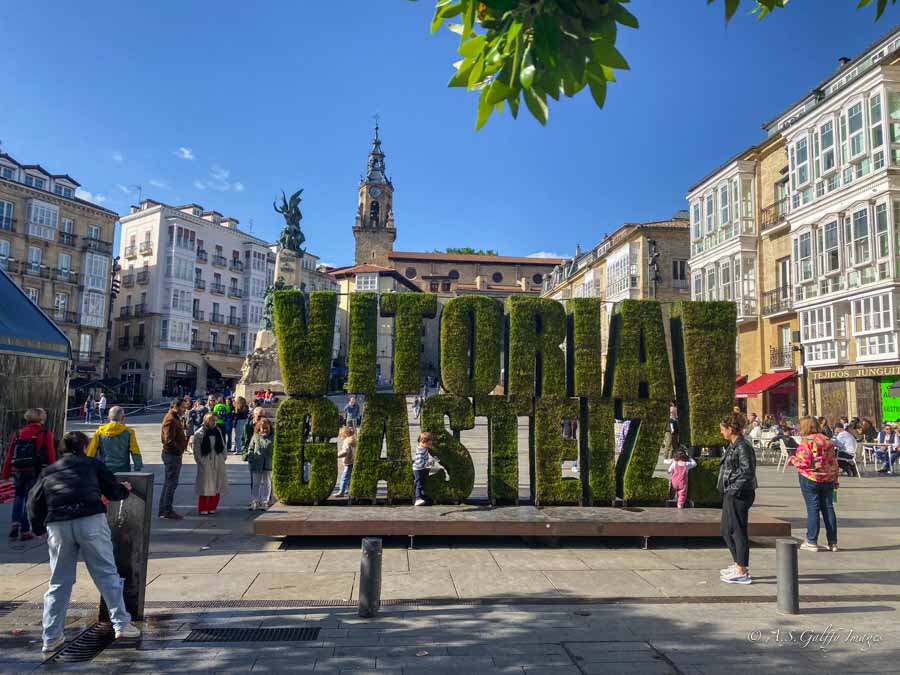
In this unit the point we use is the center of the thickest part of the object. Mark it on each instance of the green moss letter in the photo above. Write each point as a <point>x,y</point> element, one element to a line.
<point>408,310</point>
<point>363,343</point>
<point>537,365</point>
<point>305,337</point>
<point>503,448</point>
<point>384,422</point>
<point>453,455</point>
<point>291,452</point>
<point>471,340</point>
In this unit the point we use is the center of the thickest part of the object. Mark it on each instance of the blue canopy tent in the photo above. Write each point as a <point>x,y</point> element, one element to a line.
<point>34,362</point>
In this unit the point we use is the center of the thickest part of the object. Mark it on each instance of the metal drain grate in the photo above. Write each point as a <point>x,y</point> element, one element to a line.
<point>87,645</point>
<point>253,635</point>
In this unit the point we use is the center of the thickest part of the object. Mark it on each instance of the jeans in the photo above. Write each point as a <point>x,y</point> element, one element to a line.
<point>172,461</point>
<point>239,433</point>
<point>66,539</point>
<point>882,456</point>
<point>819,498</point>
<point>419,476</point>
<point>735,514</point>
<point>24,482</point>
<point>261,486</point>
<point>227,430</point>
<point>345,479</point>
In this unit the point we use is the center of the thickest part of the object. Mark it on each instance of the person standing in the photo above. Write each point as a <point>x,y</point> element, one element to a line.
<point>101,406</point>
<point>222,413</point>
<point>115,444</point>
<point>88,409</point>
<point>346,452</point>
<point>259,457</point>
<point>241,417</point>
<point>817,469</point>
<point>249,429</point>
<point>422,460</point>
<point>66,503</point>
<point>679,466</point>
<point>210,455</point>
<point>737,485</point>
<point>29,451</point>
<point>351,412</point>
<point>174,443</point>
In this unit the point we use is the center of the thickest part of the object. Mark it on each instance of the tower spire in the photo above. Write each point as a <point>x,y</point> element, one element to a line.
<point>375,172</point>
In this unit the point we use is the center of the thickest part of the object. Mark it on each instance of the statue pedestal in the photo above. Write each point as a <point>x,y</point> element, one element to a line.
<point>261,370</point>
<point>264,340</point>
<point>288,266</point>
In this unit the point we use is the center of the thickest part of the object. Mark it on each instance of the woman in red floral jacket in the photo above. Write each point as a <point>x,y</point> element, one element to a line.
<point>817,466</point>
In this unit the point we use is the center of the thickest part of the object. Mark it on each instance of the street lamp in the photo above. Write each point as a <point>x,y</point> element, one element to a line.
<point>798,347</point>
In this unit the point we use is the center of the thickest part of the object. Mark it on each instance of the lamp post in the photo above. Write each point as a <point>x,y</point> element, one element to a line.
<point>798,347</point>
<point>114,286</point>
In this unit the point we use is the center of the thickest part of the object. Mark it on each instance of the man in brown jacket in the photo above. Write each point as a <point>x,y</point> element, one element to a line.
<point>174,442</point>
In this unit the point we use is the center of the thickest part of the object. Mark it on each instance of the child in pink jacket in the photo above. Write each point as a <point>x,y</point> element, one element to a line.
<point>678,468</point>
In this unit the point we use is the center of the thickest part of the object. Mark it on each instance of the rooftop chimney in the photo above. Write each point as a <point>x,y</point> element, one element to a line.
<point>843,61</point>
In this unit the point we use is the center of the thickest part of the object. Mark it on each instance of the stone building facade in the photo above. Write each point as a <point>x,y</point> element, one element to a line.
<point>58,249</point>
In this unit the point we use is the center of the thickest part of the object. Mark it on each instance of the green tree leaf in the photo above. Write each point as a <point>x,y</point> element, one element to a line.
<point>536,105</point>
<point>605,53</point>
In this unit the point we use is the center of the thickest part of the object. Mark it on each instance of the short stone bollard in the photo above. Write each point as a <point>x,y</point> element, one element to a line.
<point>129,524</point>
<point>370,578</point>
<point>788,582</point>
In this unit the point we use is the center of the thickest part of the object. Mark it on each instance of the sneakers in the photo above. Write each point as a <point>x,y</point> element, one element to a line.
<point>833,548</point>
<point>807,546</point>
<point>736,578</point>
<point>419,502</point>
<point>171,515</point>
<point>129,632</point>
<point>253,505</point>
<point>53,645</point>
<point>27,536</point>
<point>727,571</point>
<point>14,531</point>
<point>204,513</point>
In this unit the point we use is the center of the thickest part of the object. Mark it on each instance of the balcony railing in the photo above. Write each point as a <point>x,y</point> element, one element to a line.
<point>128,280</point>
<point>143,277</point>
<point>781,358</point>
<point>217,318</point>
<point>33,269</point>
<point>218,289</point>
<point>9,264</point>
<point>746,308</point>
<point>67,238</point>
<point>234,292</point>
<point>198,346</point>
<point>219,261</point>
<point>774,213</point>
<point>777,301</point>
<point>234,321</point>
<point>7,224</point>
<point>98,245</point>
<point>202,255</point>
<point>199,284</point>
<point>220,348</point>
<point>61,315</point>
<point>139,341</point>
<point>124,342</point>
<point>146,247</point>
<point>124,311</point>
<point>130,252</point>
<point>65,276</point>
<point>85,358</point>
<point>140,309</point>
<point>236,265</point>
<point>198,315</point>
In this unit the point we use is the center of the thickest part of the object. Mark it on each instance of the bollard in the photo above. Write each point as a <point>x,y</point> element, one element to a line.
<point>788,584</point>
<point>129,524</point>
<point>370,578</point>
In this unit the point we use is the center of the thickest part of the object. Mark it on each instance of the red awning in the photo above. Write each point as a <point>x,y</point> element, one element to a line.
<point>763,383</point>
<point>740,379</point>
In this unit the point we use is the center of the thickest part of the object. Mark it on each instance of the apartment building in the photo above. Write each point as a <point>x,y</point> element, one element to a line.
<point>193,288</point>
<point>618,268</point>
<point>58,248</point>
<point>823,246</point>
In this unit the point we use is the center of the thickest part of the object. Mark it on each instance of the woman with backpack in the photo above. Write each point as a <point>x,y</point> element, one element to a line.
<point>817,467</point>
<point>29,451</point>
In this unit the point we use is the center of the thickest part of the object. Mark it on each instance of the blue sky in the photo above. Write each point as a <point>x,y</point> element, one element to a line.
<point>226,103</point>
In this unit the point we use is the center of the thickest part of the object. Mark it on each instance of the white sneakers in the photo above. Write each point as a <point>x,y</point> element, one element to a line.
<point>807,546</point>
<point>420,502</point>
<point>129,632</point>
<point>53,646</point>
<point>253,505</point>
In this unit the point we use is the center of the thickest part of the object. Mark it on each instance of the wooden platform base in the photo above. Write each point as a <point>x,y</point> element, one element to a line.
<point>515,521</point>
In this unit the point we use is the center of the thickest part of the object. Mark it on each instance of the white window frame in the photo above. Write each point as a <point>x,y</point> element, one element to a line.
<point>724,211</point>
<point>860,243</point>
<point>798,167</point>
<point>826,151</point>
<point>824,250</point>
<point>709,212</point>
<point>367,282</point>
<point>859,135</point>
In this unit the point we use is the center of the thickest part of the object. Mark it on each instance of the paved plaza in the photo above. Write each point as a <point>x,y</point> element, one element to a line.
<point>605,605</point>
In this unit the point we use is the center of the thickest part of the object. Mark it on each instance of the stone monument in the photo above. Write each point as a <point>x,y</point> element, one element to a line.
<point>261,370</point>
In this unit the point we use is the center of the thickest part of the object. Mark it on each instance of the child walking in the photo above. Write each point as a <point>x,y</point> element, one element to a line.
<point>422,460</point>
<point>346,451</point>
<point>679,466</point>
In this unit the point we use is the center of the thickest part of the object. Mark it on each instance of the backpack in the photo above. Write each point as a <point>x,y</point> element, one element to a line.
<point>25,452</point>
<point>809,462</point>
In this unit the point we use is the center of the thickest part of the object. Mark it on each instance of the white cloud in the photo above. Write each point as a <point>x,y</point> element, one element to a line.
<point>118,157</point>
<point>87,196</point>
<point>218,180</point>
<point>124,188</point>
<point>159,183</point>
<point>326,264</point>
<point>544,254</point>
<point>184,153</point>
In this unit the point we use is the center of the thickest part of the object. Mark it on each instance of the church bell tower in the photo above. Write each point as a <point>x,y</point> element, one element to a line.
<point>374,228</point>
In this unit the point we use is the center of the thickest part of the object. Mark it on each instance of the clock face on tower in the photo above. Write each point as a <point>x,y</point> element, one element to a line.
<point>375,192</point>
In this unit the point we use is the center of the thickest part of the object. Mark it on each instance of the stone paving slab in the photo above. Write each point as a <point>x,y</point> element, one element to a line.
<point>301,586</point>
<point>205,586</point>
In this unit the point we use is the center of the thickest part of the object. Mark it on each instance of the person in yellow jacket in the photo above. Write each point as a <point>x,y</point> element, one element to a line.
<point>115,444</point>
